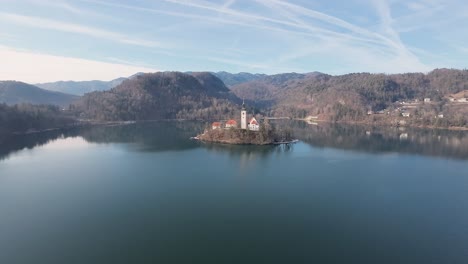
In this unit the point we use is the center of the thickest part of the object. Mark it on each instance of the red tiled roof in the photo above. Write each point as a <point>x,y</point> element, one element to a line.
<point>253,121</point>
<point>231,122</point>
<point>216,124</point>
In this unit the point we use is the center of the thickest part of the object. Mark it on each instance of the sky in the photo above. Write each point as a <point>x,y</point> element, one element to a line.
<point>44,41</point>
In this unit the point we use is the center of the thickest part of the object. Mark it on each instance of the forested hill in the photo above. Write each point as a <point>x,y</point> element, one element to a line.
<point>350,96</point>
<point>270,89</point>
<point>12,92</point>
<point>27,117</point>
<point>161,95</point>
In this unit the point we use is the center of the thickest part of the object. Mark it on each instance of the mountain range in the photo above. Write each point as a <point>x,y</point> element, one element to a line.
<point>62,93</point>
<point>314,94</point>
<point>205,95</point>
<point>82,87</point>
<point>13,92</point>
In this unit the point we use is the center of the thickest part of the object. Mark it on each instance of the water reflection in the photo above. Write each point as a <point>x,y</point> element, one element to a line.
<point>174,136</point>
<point>12,143</point>
<point>147,136</point>
<point>247,151</point>
<point>430,142</point>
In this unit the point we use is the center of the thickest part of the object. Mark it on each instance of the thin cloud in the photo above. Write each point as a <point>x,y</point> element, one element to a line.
<point>37,22</point>
<point>360,35</point>
<point>66,6</point>
<point>355,32</point>
<point>262,34</point>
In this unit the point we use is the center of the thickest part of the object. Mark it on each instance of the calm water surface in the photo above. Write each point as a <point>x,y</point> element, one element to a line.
<point>144,193</point>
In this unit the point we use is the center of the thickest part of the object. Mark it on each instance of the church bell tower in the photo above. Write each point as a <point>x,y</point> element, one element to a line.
<point>243,116</point>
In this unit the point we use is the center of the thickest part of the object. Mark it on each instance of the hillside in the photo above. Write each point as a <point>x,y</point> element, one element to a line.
<point>80,88</point>
<point>12,92</point>
<point>268,90</point>
<point>162,95</point>
<point>27,118</point>
<point>351,96</point>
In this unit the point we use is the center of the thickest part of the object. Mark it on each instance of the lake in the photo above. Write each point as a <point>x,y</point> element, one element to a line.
<point>145,193</point>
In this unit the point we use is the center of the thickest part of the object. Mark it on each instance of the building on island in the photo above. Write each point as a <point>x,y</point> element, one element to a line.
<point>231,123</point>
<point>243,116</point>
<point>427,100</point>
<point>253,124</point>
<point>216,125</point>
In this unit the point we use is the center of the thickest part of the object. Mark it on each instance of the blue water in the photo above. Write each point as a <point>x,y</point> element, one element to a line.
<point>144,193</point>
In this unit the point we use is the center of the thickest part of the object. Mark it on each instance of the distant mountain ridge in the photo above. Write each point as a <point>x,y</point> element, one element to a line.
<point>231,79</point>
<point>13,92</point>
<point>80,87</point>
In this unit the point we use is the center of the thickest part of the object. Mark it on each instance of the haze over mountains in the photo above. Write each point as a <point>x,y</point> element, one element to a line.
<point>13,92</point>
<point>82,87</point>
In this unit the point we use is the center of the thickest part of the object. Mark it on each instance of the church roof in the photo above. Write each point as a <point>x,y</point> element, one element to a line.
<point>231,122</point>
<point>253,121</point>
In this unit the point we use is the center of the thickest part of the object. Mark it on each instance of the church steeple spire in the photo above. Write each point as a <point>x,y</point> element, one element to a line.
<point>243,116</point>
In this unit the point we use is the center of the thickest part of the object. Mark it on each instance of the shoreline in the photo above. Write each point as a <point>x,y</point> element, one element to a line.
<point>238,136</point>
<point>225,142</point>
<point>83,123</point>
<point>380,124</point>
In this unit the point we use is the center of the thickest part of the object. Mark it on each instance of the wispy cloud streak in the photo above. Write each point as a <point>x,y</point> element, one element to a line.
<point>44,23</point>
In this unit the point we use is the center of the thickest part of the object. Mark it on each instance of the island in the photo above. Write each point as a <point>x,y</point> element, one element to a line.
<point>251,133</point>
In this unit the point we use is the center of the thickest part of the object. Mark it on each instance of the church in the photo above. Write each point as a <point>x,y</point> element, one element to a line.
<point>253,123</point>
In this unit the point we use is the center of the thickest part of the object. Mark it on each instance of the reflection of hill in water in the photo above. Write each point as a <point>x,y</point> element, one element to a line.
<point>144,136</point>
<point>444,143</point>
<point>147,136</point>
<point>168,136</point>
<point>174,136</point>
<point>12,143</point>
